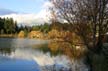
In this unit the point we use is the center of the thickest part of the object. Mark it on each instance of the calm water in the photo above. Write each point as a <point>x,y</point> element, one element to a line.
<point>23,55</point>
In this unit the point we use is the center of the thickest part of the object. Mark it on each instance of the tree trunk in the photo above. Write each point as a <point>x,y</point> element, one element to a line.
<point>89,61</point>
<point>99,44</point>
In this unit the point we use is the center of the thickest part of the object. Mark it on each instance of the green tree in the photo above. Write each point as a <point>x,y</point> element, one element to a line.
<point>45,28</point>
<point>1,25</point>
<point>8,25</point>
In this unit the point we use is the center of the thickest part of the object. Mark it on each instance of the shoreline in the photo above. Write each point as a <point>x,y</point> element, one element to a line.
<point>16,36</point>
<point>8,36</point>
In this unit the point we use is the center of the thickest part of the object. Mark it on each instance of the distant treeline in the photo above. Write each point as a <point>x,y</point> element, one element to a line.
<point>46,27</point>
<point>9,26</point>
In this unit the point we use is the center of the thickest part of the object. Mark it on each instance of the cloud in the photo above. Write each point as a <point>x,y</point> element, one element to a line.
<point>47,4</point>
<point>6,11</point>
<point>32,18</point>
<point>28,19</point>
<point>45,12</point>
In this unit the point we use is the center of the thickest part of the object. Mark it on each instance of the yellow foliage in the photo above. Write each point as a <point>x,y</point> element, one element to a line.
<point>69,50</point>
<point>21,34</point>
<point>57,34</point>
<point>64,36</point>
<point>53,33</point>
<point>53,46</point>
<point>35,34</point>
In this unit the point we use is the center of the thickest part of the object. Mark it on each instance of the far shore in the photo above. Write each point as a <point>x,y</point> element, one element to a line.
<point>8,35</point>
<point>16,36</point>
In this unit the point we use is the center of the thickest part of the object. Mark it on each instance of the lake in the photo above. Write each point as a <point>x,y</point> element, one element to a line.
<point>33,55</point>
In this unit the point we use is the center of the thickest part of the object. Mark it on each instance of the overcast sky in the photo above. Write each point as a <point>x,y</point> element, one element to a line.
<point>27,12</point>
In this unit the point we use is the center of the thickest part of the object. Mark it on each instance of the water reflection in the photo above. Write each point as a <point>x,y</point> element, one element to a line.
<point>67,49</point>
<point>74,53</point>
<point>29,54</point>
<point>38,55</point>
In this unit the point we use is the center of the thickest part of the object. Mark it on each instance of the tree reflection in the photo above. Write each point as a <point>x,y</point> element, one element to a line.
<point>5,51</point>
<point>62,48</point>
<point>75,53</point>
<point>72,51</point>
<point>6,46</point>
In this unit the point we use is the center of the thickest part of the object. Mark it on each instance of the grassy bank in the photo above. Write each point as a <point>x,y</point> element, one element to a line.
<point>8,35</point>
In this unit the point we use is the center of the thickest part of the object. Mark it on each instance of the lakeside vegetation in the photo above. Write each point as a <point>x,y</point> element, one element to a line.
<point>83,36</point>
<point>88,19</point>
<point>10,28</point>
<point>63,40</point>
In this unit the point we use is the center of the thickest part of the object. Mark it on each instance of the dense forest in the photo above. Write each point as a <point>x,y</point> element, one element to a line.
<point>9,26</point>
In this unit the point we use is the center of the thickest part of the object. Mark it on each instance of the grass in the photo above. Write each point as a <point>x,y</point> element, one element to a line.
<point>8,35</point>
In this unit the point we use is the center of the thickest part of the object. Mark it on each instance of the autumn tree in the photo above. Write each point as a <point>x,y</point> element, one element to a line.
<point>87,18</point>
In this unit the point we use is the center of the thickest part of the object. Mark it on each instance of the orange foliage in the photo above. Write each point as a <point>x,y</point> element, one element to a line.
<point>21,34</point>
<point>35,34</point>
<point>67,49</point>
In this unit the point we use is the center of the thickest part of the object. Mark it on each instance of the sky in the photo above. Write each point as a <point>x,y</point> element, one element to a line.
<point>26,12</point>
<point>22,6</point>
